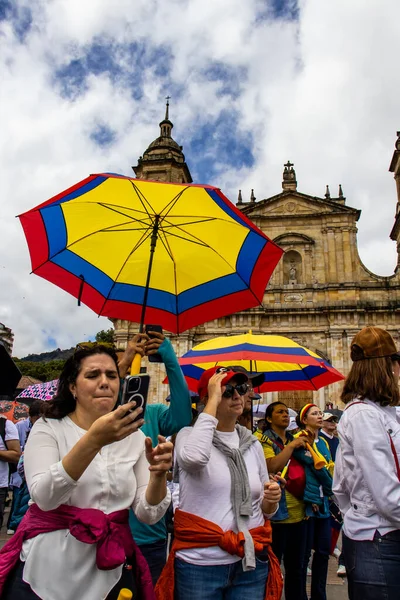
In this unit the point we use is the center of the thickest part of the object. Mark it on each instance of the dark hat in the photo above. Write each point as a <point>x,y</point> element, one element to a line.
<point>230,374</point>
<point>256,379</point>
<point>373,342</point>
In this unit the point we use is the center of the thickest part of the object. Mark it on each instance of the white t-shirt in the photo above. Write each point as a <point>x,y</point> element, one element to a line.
<point>205,484</point>
<point>11,434</point>
<point>57,565</point>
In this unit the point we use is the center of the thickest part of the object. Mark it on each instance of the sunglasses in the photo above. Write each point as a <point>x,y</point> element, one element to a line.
<point>230,390</point>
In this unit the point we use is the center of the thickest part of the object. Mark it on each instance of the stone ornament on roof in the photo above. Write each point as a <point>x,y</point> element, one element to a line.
<point>289,177</point>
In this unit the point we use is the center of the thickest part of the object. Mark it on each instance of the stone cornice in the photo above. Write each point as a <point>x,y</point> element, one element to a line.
<point>329,204</point>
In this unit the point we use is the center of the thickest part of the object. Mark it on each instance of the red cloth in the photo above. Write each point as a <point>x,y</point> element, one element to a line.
<point>110,532</point>
<point>192,531</point>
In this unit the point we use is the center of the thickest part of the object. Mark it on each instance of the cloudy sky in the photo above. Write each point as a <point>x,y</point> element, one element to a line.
<point>252,84</point>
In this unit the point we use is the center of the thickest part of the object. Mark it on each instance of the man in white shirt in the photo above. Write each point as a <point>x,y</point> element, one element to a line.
<point>10,451</point>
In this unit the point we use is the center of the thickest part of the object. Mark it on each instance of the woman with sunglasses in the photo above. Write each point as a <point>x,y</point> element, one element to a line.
<point>222,545</point>
<point>316,495</point>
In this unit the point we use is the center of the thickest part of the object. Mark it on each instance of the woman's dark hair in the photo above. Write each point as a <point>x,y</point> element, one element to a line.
<point>269,411</point>
<point>372,379</point>
<point>64,402</point>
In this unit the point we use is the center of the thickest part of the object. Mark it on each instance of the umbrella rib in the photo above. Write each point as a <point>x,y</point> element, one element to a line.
<point>120,212</point>
<point>169,252</point>
<point>305,373</point>
<point>185,239</point>
<point>201,243</point>
<point>172,202</point>
<point>138,244</point>
<point>140,195</point>
<point>68,246</point>
<point>205,220</point>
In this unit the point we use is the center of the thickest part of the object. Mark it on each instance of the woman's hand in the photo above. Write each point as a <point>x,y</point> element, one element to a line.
<point>277,477</point>
<point>115,426</point>
<point>135,346</point>
<point>271,497</point>
<point>272,492</point>
<point>299,442</point>
<point>160,457</point>
<point>153,343</point>
<point>215,387</point>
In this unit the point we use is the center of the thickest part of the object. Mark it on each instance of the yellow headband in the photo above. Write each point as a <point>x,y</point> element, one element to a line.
<point>304,410</point>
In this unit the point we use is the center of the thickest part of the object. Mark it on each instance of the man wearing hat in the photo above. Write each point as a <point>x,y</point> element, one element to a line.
<point>328,431</point>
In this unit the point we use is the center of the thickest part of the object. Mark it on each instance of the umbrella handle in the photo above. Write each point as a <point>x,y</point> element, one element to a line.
<point>135,366</point>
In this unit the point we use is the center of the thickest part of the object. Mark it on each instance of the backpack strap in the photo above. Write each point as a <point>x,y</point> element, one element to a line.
<point>392,446</point>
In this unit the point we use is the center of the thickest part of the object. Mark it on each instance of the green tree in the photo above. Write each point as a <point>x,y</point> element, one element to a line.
<point>44,371</point>
<point>105,337</point>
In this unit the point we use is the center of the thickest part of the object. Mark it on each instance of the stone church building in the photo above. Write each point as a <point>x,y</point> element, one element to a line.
<point>320,294</point>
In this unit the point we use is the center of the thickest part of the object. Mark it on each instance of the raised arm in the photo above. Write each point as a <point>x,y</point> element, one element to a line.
<point>179,413</point>
<point>193,445</point>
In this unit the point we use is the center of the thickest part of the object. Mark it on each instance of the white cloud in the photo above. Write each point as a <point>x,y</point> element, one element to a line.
<point>322,91</point>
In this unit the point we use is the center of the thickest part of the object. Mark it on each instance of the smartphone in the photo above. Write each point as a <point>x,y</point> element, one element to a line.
<point>136,389</point>
<point>154,357</point>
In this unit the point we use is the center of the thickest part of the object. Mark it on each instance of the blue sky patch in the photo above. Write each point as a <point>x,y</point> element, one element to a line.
<point>278,9</point>
<point>103,135</point>
<point>216,143</point>
<point>20,17</point>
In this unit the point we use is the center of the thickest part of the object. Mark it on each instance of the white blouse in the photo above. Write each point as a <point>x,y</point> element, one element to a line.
<point>57,565</point>
<point>365,481</point>
<point>205,484</point>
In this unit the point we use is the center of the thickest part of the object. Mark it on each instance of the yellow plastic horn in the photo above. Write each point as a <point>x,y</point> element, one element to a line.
<point>319,461</point>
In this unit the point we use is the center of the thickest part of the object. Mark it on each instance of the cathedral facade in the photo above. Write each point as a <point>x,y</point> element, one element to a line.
<point>319,295</point>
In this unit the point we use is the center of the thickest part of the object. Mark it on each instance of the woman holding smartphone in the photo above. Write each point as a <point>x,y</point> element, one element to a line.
<point>85,455</point>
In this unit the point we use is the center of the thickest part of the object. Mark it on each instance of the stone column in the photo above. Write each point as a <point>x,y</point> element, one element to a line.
<point>307,276</point>
<point>326,276</point>
<point>332,257</point>
<point>348,266</point>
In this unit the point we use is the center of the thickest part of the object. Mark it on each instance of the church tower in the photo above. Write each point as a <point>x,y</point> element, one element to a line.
<point>164,160</point>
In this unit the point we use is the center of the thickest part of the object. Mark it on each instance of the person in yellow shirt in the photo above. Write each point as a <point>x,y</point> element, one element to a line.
<point>288,524</point>
<point>261,427</point>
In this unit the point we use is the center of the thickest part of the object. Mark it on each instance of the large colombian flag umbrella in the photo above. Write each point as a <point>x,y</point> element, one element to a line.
<point>175,255</point>
<point>285,364</point>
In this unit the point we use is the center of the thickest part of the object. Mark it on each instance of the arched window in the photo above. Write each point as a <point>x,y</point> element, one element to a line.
<point>292,268</point>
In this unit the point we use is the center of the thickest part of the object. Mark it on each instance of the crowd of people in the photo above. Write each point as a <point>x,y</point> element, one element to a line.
<point>255,509</point>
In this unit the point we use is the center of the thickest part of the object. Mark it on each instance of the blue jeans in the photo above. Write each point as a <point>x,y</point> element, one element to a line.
<point>319,539</point>
<point>220,582</point>
<point>156,556</point>
<point>373,567</point>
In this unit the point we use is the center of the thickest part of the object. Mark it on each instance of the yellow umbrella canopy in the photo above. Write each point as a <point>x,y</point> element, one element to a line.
<point>177,255</point>
<point>285,364</point>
